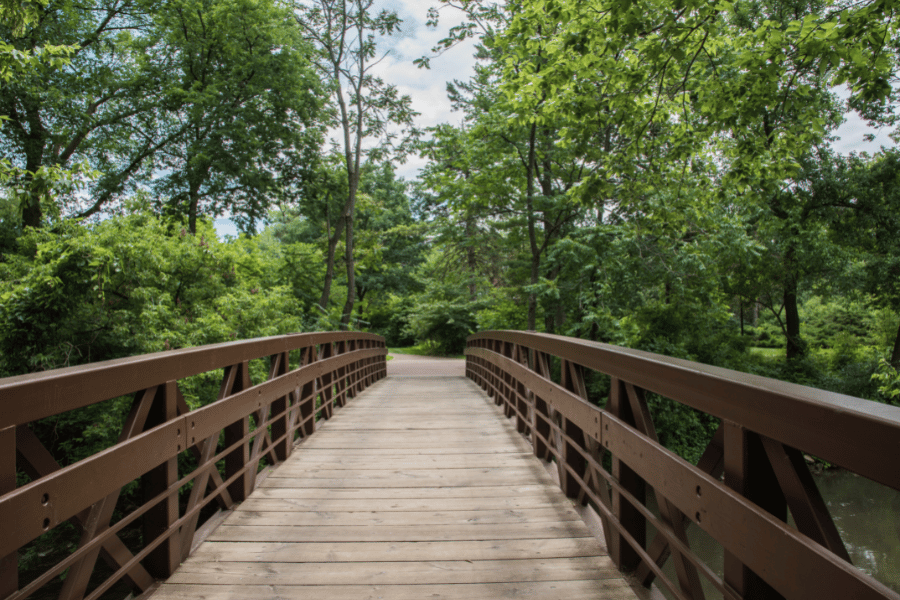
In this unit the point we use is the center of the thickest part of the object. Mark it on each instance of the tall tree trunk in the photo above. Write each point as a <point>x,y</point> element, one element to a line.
<point>795,348</point>
<point>35,143</point>
<point>348,250</point>
<point>193,203</point>
<point>895,353</point>
<point>333,240</point>
<point>532,233</point>
<point>351,276</point>
<point>470,256</point>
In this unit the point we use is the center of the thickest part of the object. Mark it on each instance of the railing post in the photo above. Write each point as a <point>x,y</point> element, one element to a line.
<point>509,395</point>
<point>9,564</point>
<point>238,458</point>
<point>327,351</point>
<point>307,399</point>
<point>631,520</point>
<point>340,398</point>
<point>165,558</point>
<point>522,421</point>
<point>749,473</point>
<point>541,415</point>
<point>573,380</point>
<point>368,377</point>
<point>493,380</point>
<point>280,367</point>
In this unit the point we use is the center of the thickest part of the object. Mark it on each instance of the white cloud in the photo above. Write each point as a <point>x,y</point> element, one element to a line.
<point>426,87</point>
<point>851,137</point>
<point>851,134</point>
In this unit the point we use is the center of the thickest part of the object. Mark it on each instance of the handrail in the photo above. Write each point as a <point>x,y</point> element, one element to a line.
<point>159,430</point>
<point>765,427</point>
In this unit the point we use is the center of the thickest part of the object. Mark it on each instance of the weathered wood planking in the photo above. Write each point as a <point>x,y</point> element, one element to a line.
<point>419,488</point>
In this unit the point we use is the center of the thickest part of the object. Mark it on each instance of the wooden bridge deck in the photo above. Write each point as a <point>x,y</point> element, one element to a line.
<point>419,488</point>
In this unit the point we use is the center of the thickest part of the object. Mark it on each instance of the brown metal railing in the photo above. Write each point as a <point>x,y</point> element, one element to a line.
<point>226,445</point>
<point>752,472</point>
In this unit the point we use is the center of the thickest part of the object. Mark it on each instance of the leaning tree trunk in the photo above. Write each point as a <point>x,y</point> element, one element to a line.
<point>333,240</point>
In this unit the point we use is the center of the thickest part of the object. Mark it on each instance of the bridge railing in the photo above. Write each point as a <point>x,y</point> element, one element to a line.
<point>309,375</point>
<point>752,472</point>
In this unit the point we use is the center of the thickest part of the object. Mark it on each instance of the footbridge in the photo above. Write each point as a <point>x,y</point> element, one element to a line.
<point>530,470</point>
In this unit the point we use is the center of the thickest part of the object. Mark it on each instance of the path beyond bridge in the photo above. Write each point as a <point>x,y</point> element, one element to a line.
<point>418,488</point>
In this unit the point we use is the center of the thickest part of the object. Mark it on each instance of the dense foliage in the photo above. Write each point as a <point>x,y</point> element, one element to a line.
<point>655,174</point>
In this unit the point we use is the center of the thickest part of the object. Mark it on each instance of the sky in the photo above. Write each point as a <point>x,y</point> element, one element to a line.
<point>428,87</point>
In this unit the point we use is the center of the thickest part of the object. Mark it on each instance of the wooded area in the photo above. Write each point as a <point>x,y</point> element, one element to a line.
<point>656,174</point>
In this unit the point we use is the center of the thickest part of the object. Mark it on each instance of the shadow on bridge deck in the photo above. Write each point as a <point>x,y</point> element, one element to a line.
<point>419,488</point>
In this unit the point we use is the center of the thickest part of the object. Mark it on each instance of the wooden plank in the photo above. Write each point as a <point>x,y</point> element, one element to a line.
<point>611,589</point>
<point>406,452</point>
<point>462,517</point>
<point>394,551</point>
<point>528,472</point>
<point>455,461</point>
<point>401,504</point>
<point>401,533</point>
<point>288,488</point>
<point>396,573</point>
<point>447,439</point>
<point>478,446</point>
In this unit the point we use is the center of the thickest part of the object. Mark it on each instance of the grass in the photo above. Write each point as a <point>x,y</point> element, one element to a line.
<point>767,352</point>
<point>422,349</point>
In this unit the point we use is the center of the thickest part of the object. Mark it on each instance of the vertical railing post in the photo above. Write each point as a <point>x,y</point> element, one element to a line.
<point>572,379</point>
<point>350,378</point>
<point>494,388</point>
<point>327,351</point>
<point>165,558</point>
<point>628,516</point>
<point>484,370</point>
<point>308,396</point>
<point>367,372</point>
<point>341,383</point>
<point>279,366</point>
<point>520,355</point>
<point>749,473</point>
<point>468,365</point>
<point>9,564</point>
<point>238,458</point>
<point>509,396</point>
<point>541,415</point>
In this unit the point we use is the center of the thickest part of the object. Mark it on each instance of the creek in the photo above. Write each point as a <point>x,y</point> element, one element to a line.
<point>866,513</point>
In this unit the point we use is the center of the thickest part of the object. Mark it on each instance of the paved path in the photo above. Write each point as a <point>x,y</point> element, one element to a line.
<point>418,489</point>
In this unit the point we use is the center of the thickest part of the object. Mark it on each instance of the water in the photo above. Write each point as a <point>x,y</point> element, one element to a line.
<point>866,514</point>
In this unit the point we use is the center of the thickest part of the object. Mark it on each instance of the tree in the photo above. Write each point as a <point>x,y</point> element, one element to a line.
<point>513,169</point>
<point>248,103</point>
<point>390,242</point>
<point>365,107</point>
<point>102,111</point>
<point>864,196</point>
